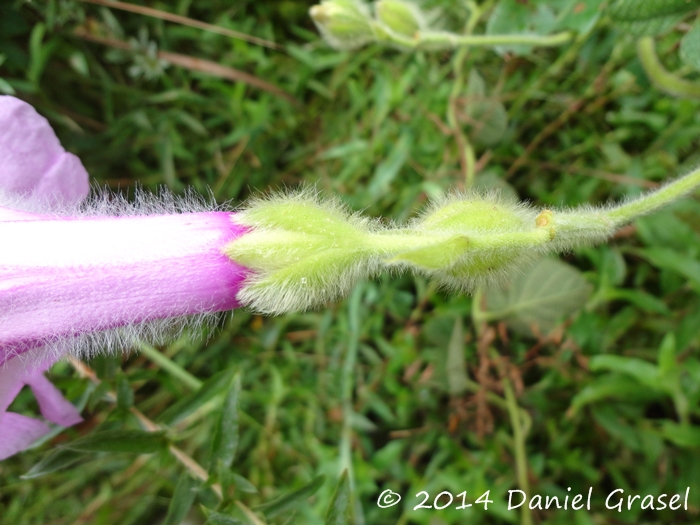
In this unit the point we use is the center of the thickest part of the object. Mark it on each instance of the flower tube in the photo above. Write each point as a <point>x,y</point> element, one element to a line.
<point>63,278</point>
<point>86,277</point>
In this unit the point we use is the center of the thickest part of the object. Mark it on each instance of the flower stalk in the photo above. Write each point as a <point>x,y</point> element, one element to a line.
<point>348,24</point>
<point>305,251</point>
<point>660,77</point>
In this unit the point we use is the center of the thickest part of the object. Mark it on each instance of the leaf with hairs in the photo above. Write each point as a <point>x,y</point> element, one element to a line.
<point>541,296</point>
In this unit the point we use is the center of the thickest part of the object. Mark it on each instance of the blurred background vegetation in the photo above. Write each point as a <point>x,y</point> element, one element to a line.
<point>584,373</point>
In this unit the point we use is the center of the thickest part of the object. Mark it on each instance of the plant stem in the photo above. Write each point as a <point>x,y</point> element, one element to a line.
<point>660,77</point>
<point>519,448</point>
<point>654,200</point>
<point>347,385</point>
<point>170,366</point>
<point>467,157</point>
<point>452,40</point>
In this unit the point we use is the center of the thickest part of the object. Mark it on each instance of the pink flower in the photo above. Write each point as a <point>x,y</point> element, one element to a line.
<point>75,280</point>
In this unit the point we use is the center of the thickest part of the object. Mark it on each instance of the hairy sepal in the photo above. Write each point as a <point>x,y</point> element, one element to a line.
<point>306,251</point>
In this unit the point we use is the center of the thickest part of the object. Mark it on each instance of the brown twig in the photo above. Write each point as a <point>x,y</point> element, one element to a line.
<point>183,20</point>
<point>194,64</point>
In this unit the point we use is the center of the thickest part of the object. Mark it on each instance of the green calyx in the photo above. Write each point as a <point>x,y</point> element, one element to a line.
<point>345,24</point>
<point>305,251</point>
<point>403,18</point>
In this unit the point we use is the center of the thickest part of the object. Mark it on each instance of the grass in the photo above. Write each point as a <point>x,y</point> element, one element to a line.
<point>402,385</point>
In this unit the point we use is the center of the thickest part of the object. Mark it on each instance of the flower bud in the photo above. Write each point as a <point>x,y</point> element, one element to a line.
<point>476,214</point>
<point>403,18</point>
<point>490,238</point>
<point>345,24</point>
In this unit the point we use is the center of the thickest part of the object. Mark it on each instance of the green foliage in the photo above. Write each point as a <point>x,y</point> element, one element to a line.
<point>690,47</point>
<point>487,116</point>
<point>340,509</point>
<point>135,441</point>
<point>291,501</point>
<point>539,298</point>
<point>540,17</point>
<point>182,500</point>
<point>225,440</point>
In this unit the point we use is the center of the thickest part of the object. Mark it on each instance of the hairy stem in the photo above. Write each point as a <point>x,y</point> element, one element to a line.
<point>660,77</point>
<point>652,201</point>
<point>451,40</point>
<point>519,447</point>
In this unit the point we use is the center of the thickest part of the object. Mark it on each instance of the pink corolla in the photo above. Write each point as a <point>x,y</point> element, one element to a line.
<point>75,277</point>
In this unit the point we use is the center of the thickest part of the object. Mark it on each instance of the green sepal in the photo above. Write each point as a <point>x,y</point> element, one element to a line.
<point>486,214</point>
<point>400,17</point>
<point>345,24</point>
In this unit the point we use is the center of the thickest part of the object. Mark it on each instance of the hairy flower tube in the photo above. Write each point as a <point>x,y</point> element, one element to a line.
<point>33,168</point>
<point>90,276</point>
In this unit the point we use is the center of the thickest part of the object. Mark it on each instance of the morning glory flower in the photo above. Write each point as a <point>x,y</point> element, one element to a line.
<point>88,277</point>
<point>34,168</point>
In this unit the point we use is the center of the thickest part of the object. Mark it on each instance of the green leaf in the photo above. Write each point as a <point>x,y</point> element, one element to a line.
<point>487,117</point>
<point>690,46</point>
<point>542,295</point>
<point>674,261</point>
<point>476,87</point>
<point>646,9</point>
<point>125,396</point>
<point>291,501</point>
<point>354,147</point>
<point>648,17</point>
<point>6,88</point>
<point>667,355</point>
<point>187,405</point>
<point>98,394</point>
<point>540,17</point>
<point>650,27</point>
<point>225,440</point>
<point>182,500</point>
<point>681,435</point>
<point>641,299</point>
<point>217,518</point>
<point>511,17</point>
<point>577,15</point>
<point>643,371</point>
<point>243,484</point>
<point>612,386</point>
<point>136,441</point>
<point>617,427</point>
<point>53,461</point>
<point>456,363</point>
<point>388,169</point>
<point>340,510</point>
